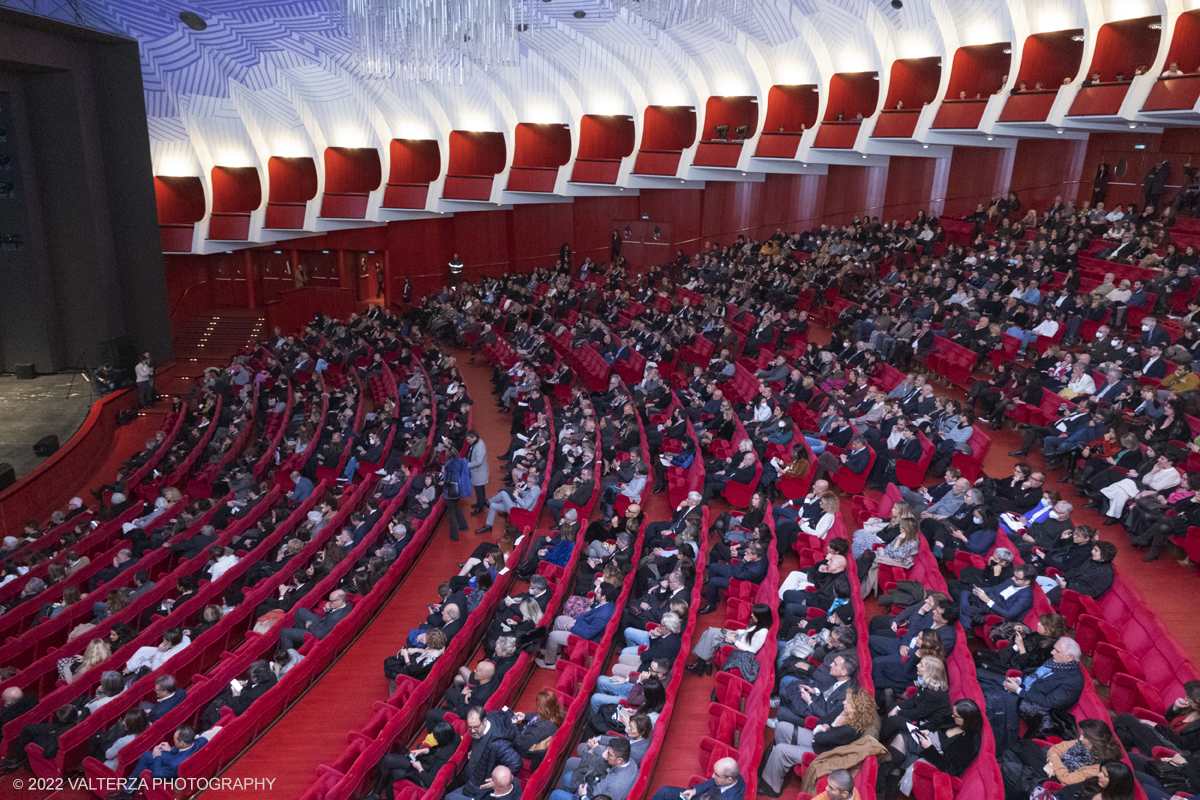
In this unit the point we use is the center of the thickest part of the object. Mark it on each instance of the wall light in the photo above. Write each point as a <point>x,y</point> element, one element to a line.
<point>349,137</point>
<point>476,122</point>
<point>412,130</point>
<point>289,148</point>
<point>1077,38</point>
<point>176,167</point>
<point>1139,147</point>
<point>234,158</point>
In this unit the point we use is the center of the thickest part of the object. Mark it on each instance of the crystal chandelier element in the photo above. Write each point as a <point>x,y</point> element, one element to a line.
<point>432,39</point>
<point>665,13</point>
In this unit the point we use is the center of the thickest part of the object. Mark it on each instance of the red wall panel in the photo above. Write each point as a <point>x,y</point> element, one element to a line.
<point>593,224</point>
<point>1173,93</point>
<point>476,153</point>
<point>979,70</point>
<point>482,240</point>
<point>959,113</point>
<point>538,231</point>
<point>791,108</point>
<point>414,161</point>
<point>683,208</point>
<point>912,185</point>
<point>852,93</point>
<point>1028,107</point>
<point>895,124</point>
<point>1124,46</point>
<point>1177,145</point>
<point>236,190</point>
<point>541,145</point>
<point>352,170</point>
<point>1185,42</point>
<point>180,200</point>
<point>606,137</point>
<point>291,180</point>
<point>731,111</point>
<point>1046,168</point>
<point>976,175</point>
<point>914,81</point>
<point>668,128</point>
<point>1051,57</point>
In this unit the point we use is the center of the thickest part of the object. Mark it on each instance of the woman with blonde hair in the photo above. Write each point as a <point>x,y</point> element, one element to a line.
<point>930,707</point>
<point>97,653</point>
<point>877,531</point>
<point>897,673</point>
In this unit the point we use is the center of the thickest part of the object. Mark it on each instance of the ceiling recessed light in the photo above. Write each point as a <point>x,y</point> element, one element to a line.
<point>580,14</point>
<point>524,26</point>
<point>897,4</point>
<point>192,20</point>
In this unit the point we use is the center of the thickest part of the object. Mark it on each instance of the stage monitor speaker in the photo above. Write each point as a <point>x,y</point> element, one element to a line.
<point>118,352</point>
<point>46,446</point>
<point>25,372</point>
<point>8,476</point>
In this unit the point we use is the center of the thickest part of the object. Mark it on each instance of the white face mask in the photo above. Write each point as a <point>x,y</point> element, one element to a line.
<point>1147,327</point>
<point>1100,335</point>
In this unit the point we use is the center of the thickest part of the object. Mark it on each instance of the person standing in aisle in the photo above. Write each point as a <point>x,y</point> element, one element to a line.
<point>144,373</point>
<point>456,480</point>
<point>477,461</point>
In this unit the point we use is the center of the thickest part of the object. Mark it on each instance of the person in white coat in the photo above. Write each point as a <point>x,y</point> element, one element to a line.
<point>1162,476</point>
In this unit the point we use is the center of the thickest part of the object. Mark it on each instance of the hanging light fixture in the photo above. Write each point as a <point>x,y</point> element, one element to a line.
<point>433,39</point>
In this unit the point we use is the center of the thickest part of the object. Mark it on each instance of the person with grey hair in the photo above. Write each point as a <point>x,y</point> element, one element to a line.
<point>112,683</point>
<point>1047,534</point>
<point>1010,600</point>
<point>665,643</point>
<point>1055,685</point>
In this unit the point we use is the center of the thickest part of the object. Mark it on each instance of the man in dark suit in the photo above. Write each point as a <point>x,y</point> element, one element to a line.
<point>167,696</point>
<point>743,472</point>
<point>1054,686</point>
<point>1010,600</point>
<point>753,568</point>
<point>657,531</point>
<point>492,746</point>
<point>311,622</point>
<point>163,761</point>
<point>856,459</point>
<point>457,699</point>
<point>16,703</point>
<point>725,783</point>
<point>907,449</point>
<point>1149,363</point>
<point>940,620</point>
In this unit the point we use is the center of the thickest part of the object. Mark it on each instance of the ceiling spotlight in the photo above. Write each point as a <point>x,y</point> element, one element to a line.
<point>1076,38</point>
<point>722,131</point>
<point>740,132</point>
<point>1007,51</point>
<point>1132,126</point>
<point>192,20</point>
<point>580,14</point>
<point>925,146</point>
<point>1155,26</point>
<point>1059,130</point>
<point>522,27</point>
<point>990,138</point>
<point>897,4</point>
<point>864,155</point>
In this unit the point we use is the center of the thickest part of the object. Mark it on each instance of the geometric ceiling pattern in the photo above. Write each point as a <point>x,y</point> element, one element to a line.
<point>281,78</point>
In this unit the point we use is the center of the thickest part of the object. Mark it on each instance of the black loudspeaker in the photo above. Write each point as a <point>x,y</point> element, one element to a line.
<point>118,352</point>
<point>25,372</point>
<point>46,446</point>
<point>8,476</point>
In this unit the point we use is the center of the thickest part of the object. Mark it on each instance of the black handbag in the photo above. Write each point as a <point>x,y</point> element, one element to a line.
<point>1170,776</point>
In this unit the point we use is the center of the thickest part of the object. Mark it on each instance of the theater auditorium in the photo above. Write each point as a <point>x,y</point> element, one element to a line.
<point>601,399</point>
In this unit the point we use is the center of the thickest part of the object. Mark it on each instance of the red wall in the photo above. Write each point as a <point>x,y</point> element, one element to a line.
<point>1124,46</point>
<point>976,174</point>
<point>1050,57</point>
<point>852,93</point>
<point>915,81</point>
<point>791,107</point>
<point>979,69</point>
<point>1046,168</point>
<point>1177,145</point>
